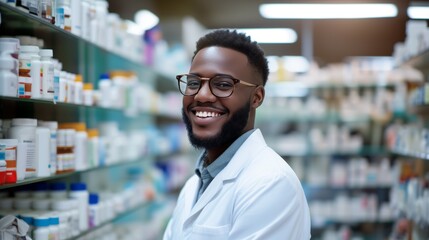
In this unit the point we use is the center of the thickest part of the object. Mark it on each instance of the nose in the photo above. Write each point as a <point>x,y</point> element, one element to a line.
<point>204,94</point>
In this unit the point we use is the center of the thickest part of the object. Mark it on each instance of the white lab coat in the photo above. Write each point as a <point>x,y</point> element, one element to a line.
<point>256,196</point>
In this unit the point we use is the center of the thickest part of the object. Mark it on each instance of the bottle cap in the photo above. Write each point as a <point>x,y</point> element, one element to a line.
<point>93,198</point>
<point>29,49</point>
<point>53,125</point>
<point>24,122</point>
<point>93,132</point>
<point>104,76</point>
<point>78,186</point>
<point>88,86</point>
<point>78,78</point>
<point>77,126</point>
<point>46,53</point>
<point>54,220</point>
<point>58,186</point>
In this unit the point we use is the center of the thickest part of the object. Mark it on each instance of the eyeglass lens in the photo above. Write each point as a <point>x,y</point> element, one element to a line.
<point>220,86</point>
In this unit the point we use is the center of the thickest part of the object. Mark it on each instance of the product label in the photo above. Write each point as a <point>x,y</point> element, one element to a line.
<point>24,78</point>
<point>59,20</point>
<point>56,87</point>
<point>30,166</point>
<point>10,157</point>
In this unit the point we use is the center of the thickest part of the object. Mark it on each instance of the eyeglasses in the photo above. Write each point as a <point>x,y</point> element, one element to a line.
<point>221,86</point>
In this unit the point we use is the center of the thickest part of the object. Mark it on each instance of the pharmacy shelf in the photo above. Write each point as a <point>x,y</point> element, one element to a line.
<point>365,151</point>
<point>301,89</point>
<point>168,115</point>
<point>267,114</point>
<point>120,216</point>
<point>22,23</point>
<point>64,175</point>
<point>346,188</point>
<point>409,154</point>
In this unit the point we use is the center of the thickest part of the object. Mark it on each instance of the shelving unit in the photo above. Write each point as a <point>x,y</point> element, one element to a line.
<point>296,112</point>
<point>81,56</point>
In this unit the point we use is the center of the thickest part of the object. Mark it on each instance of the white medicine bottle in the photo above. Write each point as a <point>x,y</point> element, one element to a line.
<point>8,79</point>
<point>47,73</point>
<point>24,129</point>
<point>41,228</point>
<point>79,192</point>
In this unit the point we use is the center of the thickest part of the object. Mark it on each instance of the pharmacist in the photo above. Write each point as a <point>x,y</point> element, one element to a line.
<point>242,189</point>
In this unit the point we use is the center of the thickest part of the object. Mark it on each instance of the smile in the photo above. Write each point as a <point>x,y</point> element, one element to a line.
<point>204,114</point>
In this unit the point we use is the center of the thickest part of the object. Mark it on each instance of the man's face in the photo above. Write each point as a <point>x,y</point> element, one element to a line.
<point>213,122</point>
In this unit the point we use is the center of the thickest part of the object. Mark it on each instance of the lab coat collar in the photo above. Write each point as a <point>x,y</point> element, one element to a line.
<point>239,161</point>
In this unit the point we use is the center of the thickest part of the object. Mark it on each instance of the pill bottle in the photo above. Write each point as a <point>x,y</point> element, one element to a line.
<point>24,130</point>
<point>22,204</point>
<point>42,205</point>
<point>36,76</point>
<point>87,95</point>
<point>40,190</point>
<point>57,71</point>
<point>45,7</point>
<point>80,139</point>
<point>47,73</point>
<point>104,86</point>
<point>54,227</point>
<point>53,127</point>
<point>33,7</point>
<point>10,46</point>
<point>24,78</point>
<point>93,148</point>
<point>11,146</point>
<point>64,15</point>
<point>43,138</point>
<point>2,165</point>
<point>93,210</point>
<point>62,91</point>
<point>8,79</point>
<point>58,190</point>
<point>41,228</point>
<point>64,208</point>
<point>79,192</point>
<point>78,89</point>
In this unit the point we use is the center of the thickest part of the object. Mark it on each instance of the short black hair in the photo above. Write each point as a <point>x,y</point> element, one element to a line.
<point>239,42</point>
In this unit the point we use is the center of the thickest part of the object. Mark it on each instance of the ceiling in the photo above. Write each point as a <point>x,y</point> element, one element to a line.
<point>330,40</point>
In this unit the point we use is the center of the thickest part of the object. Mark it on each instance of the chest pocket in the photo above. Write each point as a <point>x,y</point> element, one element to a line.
<point>210,232</point>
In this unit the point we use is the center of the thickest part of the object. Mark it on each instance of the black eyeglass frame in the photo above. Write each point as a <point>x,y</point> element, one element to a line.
<point>235,80</point>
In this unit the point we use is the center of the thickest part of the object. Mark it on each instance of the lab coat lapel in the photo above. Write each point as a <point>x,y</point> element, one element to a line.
<point>231,171</point>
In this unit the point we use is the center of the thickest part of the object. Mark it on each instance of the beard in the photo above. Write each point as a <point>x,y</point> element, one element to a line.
<point>230,131</point>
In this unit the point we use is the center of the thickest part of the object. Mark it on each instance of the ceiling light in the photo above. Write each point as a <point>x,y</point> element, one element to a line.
<point>327,11</point>
<point>270,35</point>
<point>418,12</point>
<point>146,19</point>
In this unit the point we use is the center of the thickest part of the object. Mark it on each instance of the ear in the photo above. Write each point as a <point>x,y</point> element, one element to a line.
<point>258,96</point>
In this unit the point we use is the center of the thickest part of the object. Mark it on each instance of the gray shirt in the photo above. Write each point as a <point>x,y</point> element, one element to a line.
<point>208,173</point>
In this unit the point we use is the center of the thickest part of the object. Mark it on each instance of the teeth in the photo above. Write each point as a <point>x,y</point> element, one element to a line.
<point>207,114</point>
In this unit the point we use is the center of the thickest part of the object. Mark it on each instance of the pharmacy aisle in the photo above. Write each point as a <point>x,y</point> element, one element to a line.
<point>355,133</point>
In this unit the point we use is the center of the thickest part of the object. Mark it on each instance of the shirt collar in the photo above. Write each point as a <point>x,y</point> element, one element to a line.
<point>220,163</point>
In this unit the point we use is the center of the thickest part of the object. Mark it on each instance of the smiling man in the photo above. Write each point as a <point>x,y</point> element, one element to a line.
<point>241,188</point>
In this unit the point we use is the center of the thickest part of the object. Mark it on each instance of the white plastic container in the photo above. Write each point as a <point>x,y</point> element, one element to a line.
<point>78,191</point>
<point>58,191</point>
<point>62,94</point>
<point>75,7</point>
<point>24,130</point>
<point>64,15</point>
<point>36,67</point>
<point>11,158</point>
<point>8,79</point>
<point>54,227</point>
<point>47,73</point>
<point>78,92</point>
<point>93,211</point>
<point>43,151</point>
<point>41,228</point>
<point>25,81</point>
<point>57,70</point>
<point>53,127</point>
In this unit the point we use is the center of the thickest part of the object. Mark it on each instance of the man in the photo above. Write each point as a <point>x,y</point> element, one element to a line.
<point>242,189</point>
